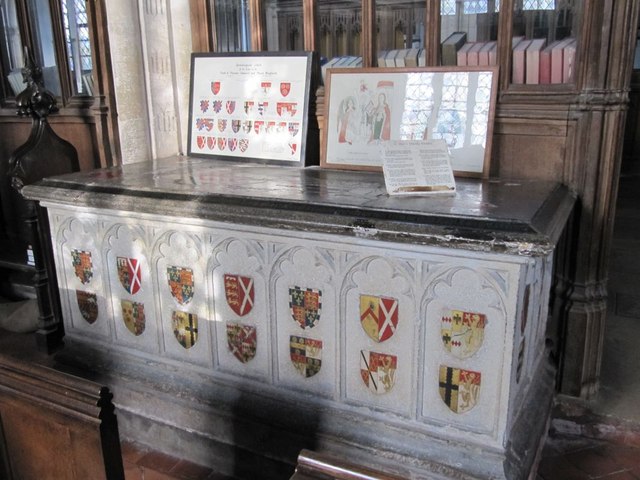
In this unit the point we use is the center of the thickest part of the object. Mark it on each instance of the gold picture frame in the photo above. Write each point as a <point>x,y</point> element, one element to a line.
<point>369,106</point>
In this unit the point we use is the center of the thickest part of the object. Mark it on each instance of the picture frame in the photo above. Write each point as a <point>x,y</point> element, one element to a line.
<point>369,106</point>
<point>251,106</point>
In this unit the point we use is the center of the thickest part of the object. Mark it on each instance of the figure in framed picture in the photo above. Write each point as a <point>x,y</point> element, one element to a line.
<point>381,120</point>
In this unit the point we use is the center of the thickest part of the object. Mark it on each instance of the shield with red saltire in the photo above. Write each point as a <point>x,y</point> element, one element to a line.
<point>133,316</point>
<point>211,143</point>
<point>378,370</point>
<point>185,328</point>
<point>82,265</point>
<point>378,316</point>
<point>305,354</point>
<point>462,332</point>
<point>88,305</point>
<point>459,388</point>
<point>215,87</point>
<point>305,306</point>
<point>233,143</point>
<point>239,292</point>
<point>231,106</point>
<point>222,124</point>
<point>222,143</point>
<point>201,140</point>
<point>129,274</point>
<point>294,128</point>
<point>242,340</point>
<point>235,126</point>
<point>266,86</point>
<point>180,281</point>
<point>285,88</point>
<point>244,144</point>
<point>217,106</point>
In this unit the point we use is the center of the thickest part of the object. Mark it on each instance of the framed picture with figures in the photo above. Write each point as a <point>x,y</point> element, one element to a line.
<point>252,107</point>
<point>366,108</point>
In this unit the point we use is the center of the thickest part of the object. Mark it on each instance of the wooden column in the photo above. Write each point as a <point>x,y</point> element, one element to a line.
<point>369,28</point>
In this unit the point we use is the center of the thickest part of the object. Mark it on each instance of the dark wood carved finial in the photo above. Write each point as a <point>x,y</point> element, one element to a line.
<point>35,100</point>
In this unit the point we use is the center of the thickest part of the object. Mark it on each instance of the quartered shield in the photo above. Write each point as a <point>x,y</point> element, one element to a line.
<point>378,370</point>
<point>306,355</point>
<point>305,306</point>
<point>88,305</point>
<point>129,274</point>
<point>462,332</point>
<point>180,283</point>
<point>82,266</point>
<point>459,388</point>
<point>185,328</point>
<point>378,316</point>
<point>242,341</point>
<point>133,316</point>
<point>239,292</point>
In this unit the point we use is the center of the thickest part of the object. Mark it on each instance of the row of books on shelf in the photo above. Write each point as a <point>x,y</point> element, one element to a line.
<point>536,62</point>
<point>404,57</point>
<point>533,61</point>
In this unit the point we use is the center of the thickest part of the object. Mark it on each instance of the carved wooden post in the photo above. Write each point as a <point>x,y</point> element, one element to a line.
<point>44,154</point>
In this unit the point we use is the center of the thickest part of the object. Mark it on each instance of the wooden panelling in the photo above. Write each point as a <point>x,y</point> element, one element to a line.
<point>56,426</point>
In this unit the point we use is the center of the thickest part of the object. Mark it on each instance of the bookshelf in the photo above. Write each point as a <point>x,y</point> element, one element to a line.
<point>568,130</point>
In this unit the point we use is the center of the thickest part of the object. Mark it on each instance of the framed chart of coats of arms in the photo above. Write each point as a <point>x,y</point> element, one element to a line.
<point>368,108</point>
<point>251,106</point>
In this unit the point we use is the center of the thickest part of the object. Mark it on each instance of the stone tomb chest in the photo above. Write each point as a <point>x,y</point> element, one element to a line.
<point>243,312</point>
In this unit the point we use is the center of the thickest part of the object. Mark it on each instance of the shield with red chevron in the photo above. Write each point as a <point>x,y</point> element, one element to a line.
<point>378,316</point>
<point>239,292</point>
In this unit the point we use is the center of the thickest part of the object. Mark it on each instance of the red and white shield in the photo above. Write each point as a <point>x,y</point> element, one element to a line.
<point>231,106</point>
<point>378,316</point>
<point>129,274</point>
<point>294,148</point>
<point>233,143</point>
<point>222,143</point>
<point>211,142</point>
<point>244,144</point>
<point>215,87</point>
<point>239,292</point>
<point>266,86</point>
<point>285,88</point>
<point>200,139</point>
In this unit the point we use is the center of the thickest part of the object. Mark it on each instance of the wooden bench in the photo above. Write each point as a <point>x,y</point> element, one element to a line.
<point>316,466</point>
<point>56,426</point>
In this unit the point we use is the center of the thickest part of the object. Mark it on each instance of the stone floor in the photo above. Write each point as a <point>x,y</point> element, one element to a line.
<point>598,440</point>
